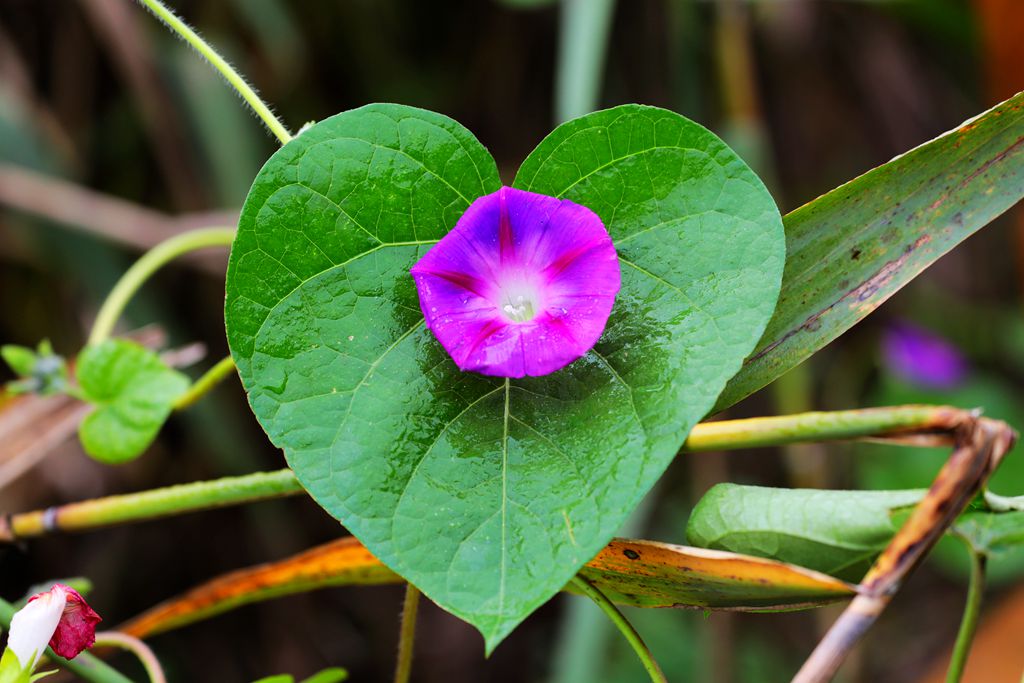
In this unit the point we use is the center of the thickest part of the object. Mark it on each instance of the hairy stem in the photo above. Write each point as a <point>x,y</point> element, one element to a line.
<point>173,500</point>
<point>85,665</point>
<point>233,78</point>
<point>204,384</point>
<point>407,633</point>
<point>969,623</point>
<point>621,623</point>
<point>142,269</point>
<point>138,648</point>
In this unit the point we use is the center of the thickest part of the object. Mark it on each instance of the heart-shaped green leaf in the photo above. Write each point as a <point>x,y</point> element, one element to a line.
<point>489,494</point>
<point>133,391</point>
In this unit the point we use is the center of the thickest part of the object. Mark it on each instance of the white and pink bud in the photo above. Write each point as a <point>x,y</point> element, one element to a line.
<point>60,618</point>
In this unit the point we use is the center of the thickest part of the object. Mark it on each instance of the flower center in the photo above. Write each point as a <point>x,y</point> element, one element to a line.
<point>518,302</point>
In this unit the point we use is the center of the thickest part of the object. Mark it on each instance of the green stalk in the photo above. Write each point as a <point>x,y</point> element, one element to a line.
<point>626,628</point>
<point>233,78</point>
<point>133,507</point>
<point>969,622</point>
<point>142,269</point>
<point>818,426</point>
<point>707,436</point>
<point>407,633</point>
<point>204,384</point>
<point>84,665</point>
<point>138,648</point>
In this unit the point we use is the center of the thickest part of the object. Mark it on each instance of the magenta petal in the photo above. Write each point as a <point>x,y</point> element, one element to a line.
<point>522,285</point>
<point>76,630</point>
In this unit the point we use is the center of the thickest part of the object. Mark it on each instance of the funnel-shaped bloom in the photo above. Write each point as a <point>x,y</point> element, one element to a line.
<point>59,617</point>
<point>522,285</point>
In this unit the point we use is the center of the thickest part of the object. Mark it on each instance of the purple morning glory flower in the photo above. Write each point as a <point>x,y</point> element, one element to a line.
<point>921,357</point>
<point>522,285</point>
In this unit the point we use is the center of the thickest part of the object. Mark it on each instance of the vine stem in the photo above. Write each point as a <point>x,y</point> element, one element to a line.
<point>134,507</point>
<point>626,628</point>
<point>969,623</point>
<point>890,422</point>
<point>138,648</point>
<point>895,422</point>
<point>234,79</point>
<point>407,633</point>
<point>85,665</point>
<point>142,269</point>
<point>204,384</point>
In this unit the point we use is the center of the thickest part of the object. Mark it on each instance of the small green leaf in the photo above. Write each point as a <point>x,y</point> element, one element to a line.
<point>851,249</point>
<point>331,675</point>
<point>488,494</point>
<point>992,533</point>
<point>835,532</point>
<point>21,359</point>
<point>11,670</point>
<point>133,392</point>
<point>42,371</point>
<point>277,678</point>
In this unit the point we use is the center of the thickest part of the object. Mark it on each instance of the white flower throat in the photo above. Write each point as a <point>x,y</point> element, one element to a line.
<point>520,310</point>
<point>519,301</point>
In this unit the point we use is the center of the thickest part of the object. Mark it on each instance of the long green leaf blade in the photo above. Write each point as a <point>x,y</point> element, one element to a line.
<point>851,249</point>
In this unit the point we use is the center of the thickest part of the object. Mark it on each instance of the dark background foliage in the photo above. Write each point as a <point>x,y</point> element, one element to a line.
<point>810,92</point>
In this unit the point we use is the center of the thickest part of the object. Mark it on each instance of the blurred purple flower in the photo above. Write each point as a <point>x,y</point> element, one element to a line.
<point>921,357</point>
<point>522,285</point>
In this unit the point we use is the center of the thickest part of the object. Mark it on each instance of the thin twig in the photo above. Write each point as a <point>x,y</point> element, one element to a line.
<point>407,633</point>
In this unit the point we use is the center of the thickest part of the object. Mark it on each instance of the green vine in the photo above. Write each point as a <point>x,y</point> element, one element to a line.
<point>233,78</point>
